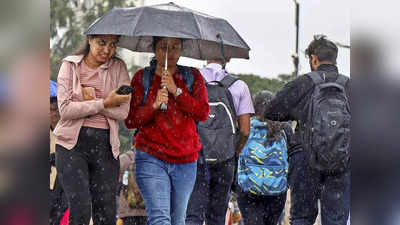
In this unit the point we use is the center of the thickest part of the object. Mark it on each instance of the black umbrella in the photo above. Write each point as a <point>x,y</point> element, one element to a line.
<point>203,35</point>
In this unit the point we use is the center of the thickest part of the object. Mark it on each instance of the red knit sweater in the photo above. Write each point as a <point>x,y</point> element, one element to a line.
<point>170,136</point>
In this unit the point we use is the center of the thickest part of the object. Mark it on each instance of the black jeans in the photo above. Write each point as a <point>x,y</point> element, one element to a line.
<point>261,210</point>
<point>308,186</point>
<point>89,176</point>
<point>209,199</point>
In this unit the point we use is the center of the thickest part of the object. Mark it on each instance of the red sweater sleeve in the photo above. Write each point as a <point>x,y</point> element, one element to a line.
<point>139,115</point>
<point>195,104</point>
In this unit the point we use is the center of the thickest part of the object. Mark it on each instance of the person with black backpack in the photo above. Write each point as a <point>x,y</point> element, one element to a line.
<point>319,103</point>
<point>222,137</point>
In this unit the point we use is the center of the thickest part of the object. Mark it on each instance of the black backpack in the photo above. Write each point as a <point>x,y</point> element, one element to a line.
<point>326,131</point>
<point>220,134</point>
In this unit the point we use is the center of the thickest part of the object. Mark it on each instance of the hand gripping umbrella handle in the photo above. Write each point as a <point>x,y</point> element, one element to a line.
<point>164,106</point>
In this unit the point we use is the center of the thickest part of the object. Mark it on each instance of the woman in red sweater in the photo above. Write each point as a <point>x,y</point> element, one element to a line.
<point>167,145</point>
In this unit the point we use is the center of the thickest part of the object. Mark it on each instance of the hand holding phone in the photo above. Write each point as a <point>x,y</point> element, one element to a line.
<point>125,90</point>
<point>118,96</point>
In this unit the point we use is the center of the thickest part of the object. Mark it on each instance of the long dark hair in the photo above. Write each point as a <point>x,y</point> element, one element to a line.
<point>84,47</point>
<point>261,101</point>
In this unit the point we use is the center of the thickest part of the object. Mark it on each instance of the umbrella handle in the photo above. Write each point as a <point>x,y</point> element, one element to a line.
<point>222,51</point>
<point>164,106</point>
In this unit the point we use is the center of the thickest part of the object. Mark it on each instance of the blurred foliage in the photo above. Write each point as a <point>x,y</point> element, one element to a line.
<point>257,83</point>
<point>69,19</point>
<point>126,137</point>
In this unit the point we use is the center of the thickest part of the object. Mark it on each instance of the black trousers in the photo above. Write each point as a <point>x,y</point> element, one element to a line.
<point>261,210</point>
<point>308,185</point>
<point>210,198</point>
<point>89,176</point>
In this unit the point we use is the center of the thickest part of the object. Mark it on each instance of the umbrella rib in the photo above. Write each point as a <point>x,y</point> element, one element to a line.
<point>134,29</point>
<point>200,32</point>
<point>197,25</point>
<point>137,21</point>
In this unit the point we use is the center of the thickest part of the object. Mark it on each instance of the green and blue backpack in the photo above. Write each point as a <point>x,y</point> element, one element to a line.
<point>263,165</point>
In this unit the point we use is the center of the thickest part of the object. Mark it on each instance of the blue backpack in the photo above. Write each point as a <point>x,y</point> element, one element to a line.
<point>263,166</point>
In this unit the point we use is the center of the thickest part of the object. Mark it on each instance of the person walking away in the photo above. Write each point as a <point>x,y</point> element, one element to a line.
<point>318,102</point>
<point>223,136</point>
<point>263,167</point>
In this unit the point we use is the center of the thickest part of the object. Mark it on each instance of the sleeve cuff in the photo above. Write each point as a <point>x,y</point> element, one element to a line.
<point>183,95</point>
<point>99,104</point>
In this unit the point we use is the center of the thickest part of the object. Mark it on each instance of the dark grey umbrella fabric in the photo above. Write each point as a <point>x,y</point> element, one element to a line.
<point>138,25</point>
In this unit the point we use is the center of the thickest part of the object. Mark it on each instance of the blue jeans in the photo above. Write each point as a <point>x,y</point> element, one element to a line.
<point>308,186</point>
<point>165,188</point>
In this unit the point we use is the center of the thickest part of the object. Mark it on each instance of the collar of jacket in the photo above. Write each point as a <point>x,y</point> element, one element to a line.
<point>327,68</point>
<point>76,59</point>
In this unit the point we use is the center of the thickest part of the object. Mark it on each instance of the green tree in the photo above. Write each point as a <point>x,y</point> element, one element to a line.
<point>287,77</point>
<point>69,19</point>
<point>257,83</point>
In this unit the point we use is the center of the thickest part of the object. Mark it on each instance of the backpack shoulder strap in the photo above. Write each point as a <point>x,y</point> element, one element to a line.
<point>342,80</point>
<point>146,81</point>
<point>316,77</point>
<point>187,76</point>
<point>285,137</point>
<point>228,80</point>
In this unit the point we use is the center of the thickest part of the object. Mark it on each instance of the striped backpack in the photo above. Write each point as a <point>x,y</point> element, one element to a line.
<point>263,166</point>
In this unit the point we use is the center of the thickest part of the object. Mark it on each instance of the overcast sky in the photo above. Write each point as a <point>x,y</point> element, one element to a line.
<point>268,28</point>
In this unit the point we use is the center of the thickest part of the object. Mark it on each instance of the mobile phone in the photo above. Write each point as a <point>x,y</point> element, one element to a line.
<point>124,90</point>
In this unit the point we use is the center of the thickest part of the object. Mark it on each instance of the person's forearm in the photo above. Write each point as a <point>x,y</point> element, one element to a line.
<point>116,113</point>
<point>242,143</point>
<point>139,116</point>
<point>70,110</point>
<point>244,126</point>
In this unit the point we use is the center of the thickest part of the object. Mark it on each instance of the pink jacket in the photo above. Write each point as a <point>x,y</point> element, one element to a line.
<point>73,109</point>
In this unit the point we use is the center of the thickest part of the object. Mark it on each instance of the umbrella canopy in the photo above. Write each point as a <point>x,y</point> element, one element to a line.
<point>199,31</point>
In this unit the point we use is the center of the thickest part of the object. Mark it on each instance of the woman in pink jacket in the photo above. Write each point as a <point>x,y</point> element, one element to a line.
<point>87,144</point>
